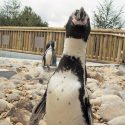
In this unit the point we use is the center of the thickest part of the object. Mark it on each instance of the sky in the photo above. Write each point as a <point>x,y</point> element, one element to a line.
<point>56,12</point>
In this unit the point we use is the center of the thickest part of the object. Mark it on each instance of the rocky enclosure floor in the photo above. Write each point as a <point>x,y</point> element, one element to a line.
<point>23,83</point>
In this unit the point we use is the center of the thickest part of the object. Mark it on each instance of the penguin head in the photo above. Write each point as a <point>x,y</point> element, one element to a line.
<point>51,44</point>
<point>78,25</point>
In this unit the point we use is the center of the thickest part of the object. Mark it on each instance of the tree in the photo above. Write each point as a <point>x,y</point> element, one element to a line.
<point>29,18</point>
<point>10,15</point>
<point>9,12</point>
<point>107,17</point>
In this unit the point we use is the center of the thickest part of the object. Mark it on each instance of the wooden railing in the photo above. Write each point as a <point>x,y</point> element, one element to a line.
<point>106,46</point>
<point>103,45</point>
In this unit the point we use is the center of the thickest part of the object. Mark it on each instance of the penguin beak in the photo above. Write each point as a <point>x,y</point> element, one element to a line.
<point>79,17</point>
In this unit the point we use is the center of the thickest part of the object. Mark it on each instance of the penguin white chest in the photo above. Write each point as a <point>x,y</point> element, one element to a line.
<point>63,105</point>
<point>48,56</point>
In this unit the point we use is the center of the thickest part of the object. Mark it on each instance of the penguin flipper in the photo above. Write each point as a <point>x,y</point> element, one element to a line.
<point>44,60</point>
<point>39,111</point>
<point>89,112</point>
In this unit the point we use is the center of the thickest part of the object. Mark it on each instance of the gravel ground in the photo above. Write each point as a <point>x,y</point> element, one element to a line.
<point>23,82</point>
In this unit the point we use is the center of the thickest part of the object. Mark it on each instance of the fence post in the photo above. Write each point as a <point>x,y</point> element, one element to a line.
<point>119,50</point>
<point>123,56</point>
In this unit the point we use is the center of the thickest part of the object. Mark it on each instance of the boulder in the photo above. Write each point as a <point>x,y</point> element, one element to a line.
<point>95,75</point>
<point>99,124</point>
<point>121,70</point>
<point>7,85</point>
<point>28,76</point>
<point>2,95</point>
<point>5,122</point>
<point>3,106</point>
<point>112,85</point>
<point>106,100</point>
<point>111,111</point>
<point>13,97</point>
<point>92,86</point>
<point>117,121</point>
<point>97,93</point>
<point>122,95</point>
<point>110,99</point>
<point>19,116</point>
<point>91,80</point>
<point>42,122</point>
<point>7,73</point>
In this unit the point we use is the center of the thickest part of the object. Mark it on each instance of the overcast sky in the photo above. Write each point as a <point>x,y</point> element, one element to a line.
<point>56,12</point>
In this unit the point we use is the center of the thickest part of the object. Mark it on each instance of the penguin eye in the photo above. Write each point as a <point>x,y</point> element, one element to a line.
<point>88,20</point>
<point>76,12</point>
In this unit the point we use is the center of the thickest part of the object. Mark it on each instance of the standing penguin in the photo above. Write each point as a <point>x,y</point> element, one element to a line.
<point>49,57</point>
<point>66,101</point>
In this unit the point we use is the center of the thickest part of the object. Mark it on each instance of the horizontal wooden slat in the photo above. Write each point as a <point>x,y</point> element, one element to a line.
<point>104,45</point>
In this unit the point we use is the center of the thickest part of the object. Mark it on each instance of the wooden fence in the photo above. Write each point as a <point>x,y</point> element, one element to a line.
<point>103,45</point>
<point>106,46</point>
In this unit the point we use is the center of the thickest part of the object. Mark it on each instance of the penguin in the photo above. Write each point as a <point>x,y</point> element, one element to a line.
<point>66,101</point>
<point>49,57</point>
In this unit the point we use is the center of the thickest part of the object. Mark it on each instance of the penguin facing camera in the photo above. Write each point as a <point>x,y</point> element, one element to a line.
<point>49,57</point>
<point>66,100</point>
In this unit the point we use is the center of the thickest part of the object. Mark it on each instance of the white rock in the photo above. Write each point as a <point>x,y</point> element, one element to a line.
<point>93,86</point>
<point>96,102</point>
<point>99,124</point>
<point>42,122</point>
<point>111,111</point>
<point>19,76</point>
<point>117,121</point>
<point>5,122</point>
<point>106,99</point>
<point>122,95</point>
<point>40,92</point>
<point>109,91</point>
<point>2,95</point>
<point>16,81</point>
<point>13,97</point>
<point>3,106</point>
<point>110,99</point>
<point>20,115</point>
<point>91,80</point>
<point>112,86</point>
<point>7,85</point>
<point>97,93</point>
<point>29,87</point>
<point>28,76</point>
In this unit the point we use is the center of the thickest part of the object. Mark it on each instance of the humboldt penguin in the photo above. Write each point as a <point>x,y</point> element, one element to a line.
<point>49,56</point>
<point>66,101</point>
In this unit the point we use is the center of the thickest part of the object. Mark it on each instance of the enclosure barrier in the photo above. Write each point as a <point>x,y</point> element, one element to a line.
<point>103,45</point>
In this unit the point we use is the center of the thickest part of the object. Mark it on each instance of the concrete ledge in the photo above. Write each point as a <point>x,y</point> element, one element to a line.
<point>9,54</point>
